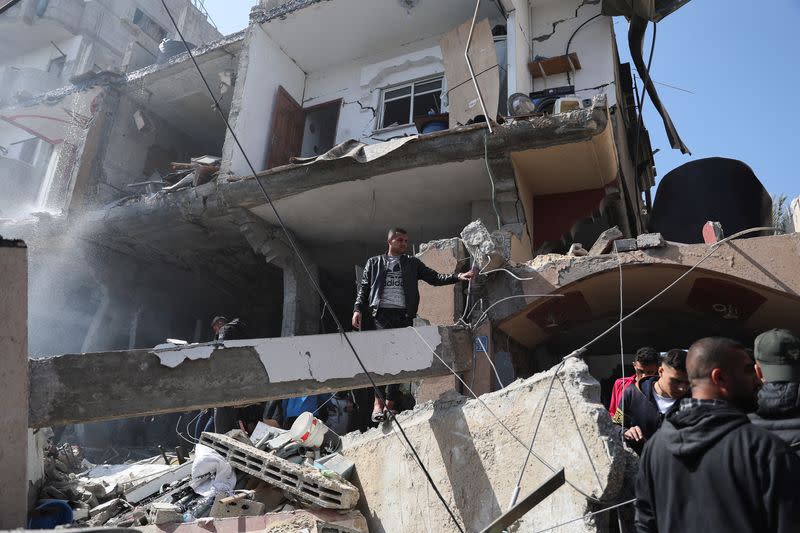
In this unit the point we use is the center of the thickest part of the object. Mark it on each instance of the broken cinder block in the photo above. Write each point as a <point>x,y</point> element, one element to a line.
<point>225,507</point>
<point>603,243</point>
<point>624,245</point>
<point>304,482</point>
<point>482,247</point>
<point>650,240</point>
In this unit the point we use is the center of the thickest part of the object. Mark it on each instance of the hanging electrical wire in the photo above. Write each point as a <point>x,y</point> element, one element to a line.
<point>314,283</point>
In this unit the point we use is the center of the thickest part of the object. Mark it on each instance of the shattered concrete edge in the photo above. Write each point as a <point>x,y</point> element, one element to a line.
<point>305,482</point>
<point>259,14</point>
<point>475,462</point>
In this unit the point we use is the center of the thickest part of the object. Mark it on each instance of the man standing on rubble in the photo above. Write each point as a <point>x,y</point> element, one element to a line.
<point>708,468</point>
<point>388,291</point>
<point>644,406</point>
<point>777,354</point>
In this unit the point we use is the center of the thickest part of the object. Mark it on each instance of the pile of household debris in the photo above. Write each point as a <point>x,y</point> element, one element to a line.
<point>198,171</point>
<point>288,478</point>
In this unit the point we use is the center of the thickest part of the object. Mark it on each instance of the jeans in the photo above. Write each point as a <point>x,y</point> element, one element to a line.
<point>389,318</point>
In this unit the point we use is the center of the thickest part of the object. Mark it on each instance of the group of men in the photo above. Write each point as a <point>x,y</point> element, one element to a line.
<point>718,433</point>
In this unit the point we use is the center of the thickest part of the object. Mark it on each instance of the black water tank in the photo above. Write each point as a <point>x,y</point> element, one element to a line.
<point>170,48</point>
<point>716,188</point>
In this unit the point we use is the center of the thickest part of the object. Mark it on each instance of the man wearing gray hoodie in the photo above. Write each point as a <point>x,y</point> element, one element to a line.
<point>708,468</point>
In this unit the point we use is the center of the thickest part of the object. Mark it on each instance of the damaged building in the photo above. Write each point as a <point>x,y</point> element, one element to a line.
<point>503,135</point>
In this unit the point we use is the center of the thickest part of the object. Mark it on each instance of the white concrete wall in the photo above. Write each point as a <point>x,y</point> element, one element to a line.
<point>359,84</point>
<point>592,44</point>
<point>263,68</point>
<point>519,46</point>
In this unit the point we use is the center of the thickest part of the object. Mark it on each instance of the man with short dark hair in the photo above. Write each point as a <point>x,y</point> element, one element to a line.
<point>645,365</point>
<point>388,291</point>
<point>708,468</point>
<point>644,406</point>
<point>777,353</point>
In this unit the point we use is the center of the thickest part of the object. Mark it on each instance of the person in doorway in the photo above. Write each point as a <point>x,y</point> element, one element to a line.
<point>708,468</point>
<point>388,291</point>
<point>227,330</point>
<point>645,364</point>
<point>777,353</point>
<point>644,406</point>
<point>242,417</point>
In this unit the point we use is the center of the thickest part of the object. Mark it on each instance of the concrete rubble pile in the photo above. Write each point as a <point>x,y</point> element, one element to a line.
<point>475,461</point>
<point>284,483</point>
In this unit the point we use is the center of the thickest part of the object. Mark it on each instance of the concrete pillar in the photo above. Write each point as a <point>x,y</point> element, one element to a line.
<point>14,381</point>
<point>301,303</point>
<point>440,306</point>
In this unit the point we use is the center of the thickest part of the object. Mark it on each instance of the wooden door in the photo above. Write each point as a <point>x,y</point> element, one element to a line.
<point>286,134</point>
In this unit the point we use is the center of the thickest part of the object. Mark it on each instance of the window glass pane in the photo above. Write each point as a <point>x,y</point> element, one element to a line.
<point>403,91</point>
<point>425,103</point>
<point>396,112</point>
<point>428,86</point>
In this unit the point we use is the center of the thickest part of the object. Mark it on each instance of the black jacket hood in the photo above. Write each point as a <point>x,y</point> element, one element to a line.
<point>691,432</point>
<point>779,400</point>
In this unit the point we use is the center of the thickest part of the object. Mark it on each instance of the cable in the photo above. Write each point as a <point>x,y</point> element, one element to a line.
<point>501,300</point>
<point>500,421</point>
<point>589,515</point>
<point>482,273</point>
<point>491,178</point>
<point>311,278</point>
<point>587,21</point>
<point>621,406</point>
<point>640,101</point>
<point>518,486</point>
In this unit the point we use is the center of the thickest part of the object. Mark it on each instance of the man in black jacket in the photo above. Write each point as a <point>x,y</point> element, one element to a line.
<point>388,291</point>
<point>644,405</point>
<point>777,354</point>
<point>708,468</point>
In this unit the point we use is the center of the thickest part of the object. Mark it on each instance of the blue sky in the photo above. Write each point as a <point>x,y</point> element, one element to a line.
<point>740,66</point>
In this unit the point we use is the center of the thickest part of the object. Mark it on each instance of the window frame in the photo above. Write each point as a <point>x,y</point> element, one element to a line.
<point>413,94</point>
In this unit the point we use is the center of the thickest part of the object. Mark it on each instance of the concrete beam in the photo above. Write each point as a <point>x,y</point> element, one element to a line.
<point>14,380</point>
<point>76,388</point>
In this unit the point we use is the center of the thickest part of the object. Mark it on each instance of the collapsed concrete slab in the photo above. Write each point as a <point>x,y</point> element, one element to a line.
<point>740,289</point>
<point>108,385</point>
<point>475,462</point>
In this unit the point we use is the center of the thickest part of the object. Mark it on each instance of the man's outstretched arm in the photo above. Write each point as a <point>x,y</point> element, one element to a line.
<point>431,277</point>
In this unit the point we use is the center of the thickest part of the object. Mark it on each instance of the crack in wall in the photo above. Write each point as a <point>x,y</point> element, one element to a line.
<point>542,38</point>
<point>363,107</point>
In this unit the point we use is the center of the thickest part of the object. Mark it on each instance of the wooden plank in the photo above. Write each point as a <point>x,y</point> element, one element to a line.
<point>482,52</point>
<point>553,65</point>
<point>77,388</point>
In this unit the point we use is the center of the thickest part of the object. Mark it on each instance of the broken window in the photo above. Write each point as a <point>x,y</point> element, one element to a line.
<point>149,26</point>
<point>403,103</point>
